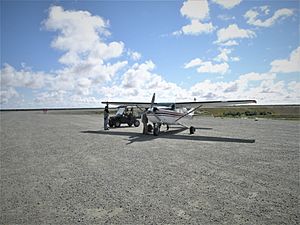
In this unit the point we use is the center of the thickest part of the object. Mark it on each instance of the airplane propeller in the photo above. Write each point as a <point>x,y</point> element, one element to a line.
<point>148,109</point>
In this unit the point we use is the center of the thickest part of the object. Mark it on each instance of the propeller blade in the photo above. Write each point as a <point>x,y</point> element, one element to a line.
<point>152,101</point>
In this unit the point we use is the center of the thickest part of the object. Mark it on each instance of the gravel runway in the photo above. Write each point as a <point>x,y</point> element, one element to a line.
<point>63,168</point>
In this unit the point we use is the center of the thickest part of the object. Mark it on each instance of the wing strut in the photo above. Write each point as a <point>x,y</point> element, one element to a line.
<point>188,113</point>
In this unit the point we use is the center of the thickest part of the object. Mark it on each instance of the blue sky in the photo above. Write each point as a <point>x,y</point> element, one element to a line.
<point>79,53</point>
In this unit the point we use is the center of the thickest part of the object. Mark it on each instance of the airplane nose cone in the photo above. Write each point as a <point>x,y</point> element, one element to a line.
<point>152,110</point>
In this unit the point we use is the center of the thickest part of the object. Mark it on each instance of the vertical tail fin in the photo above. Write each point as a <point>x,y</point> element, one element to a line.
<point>153,99</point>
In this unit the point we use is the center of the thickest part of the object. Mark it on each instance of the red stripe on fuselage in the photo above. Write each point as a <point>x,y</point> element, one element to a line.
<point>168,112</point>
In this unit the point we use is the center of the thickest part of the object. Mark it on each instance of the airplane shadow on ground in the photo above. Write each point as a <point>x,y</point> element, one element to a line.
<point>173,134</point>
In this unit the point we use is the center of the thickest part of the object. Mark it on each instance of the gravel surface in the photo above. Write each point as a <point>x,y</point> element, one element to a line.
<point>61,168</point>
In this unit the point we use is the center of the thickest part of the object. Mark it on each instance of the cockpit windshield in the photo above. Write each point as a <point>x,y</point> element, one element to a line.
<point>120,111</point>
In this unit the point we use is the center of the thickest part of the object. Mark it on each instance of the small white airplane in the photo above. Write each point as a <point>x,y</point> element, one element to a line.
<point>174,113</point>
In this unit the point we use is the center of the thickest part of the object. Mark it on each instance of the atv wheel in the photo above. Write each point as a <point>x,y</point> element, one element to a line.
<point>117,124</point>
<point>136,123</point>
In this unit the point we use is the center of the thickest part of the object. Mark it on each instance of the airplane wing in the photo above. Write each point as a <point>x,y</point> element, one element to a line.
<point>212,104</point>
<point>188,105</point>
<point>207,104</point>
<point>137,104</point>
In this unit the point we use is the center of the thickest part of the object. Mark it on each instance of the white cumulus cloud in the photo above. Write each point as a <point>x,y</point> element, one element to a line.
<point>233,32</point>
<point>79,30</point>
<point>84,86</point>
<point>207,66</point>
<point>260,86</point>
<point>10,77</point>
<point>81,35</point>
<point>134,55</point>
<point>227,4</point>
<point>290,65</point>
<point>196,11</point>
<point>229,43</point>
<point>196,28</point>
<point>253,14</point>
<point>193,63</point>
<point>223,56</point>
<point>8,93</point>
<point>137,74</point>
<point>139,82</point>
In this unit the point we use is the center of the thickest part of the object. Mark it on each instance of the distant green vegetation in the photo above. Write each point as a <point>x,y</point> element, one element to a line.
<point>273,112</point>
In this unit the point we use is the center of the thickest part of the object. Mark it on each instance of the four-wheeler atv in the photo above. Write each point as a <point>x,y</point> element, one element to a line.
<point>123,115</point>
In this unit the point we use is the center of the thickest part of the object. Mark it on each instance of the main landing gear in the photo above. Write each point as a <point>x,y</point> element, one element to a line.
<point>156,129</point>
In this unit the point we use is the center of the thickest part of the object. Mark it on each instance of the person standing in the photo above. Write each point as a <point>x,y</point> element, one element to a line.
<point>145,122</point>
<point>106,118</point>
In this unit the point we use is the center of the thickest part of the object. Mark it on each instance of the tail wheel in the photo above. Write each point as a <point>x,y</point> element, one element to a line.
<point>136,123</point>
<point>192,130</point>
<point>117,124</point>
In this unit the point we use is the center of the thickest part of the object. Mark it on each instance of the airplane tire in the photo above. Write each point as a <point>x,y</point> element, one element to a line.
<point>136,123</point>
<point>117,124</point>
<point>192,130</point>
<point>149,128</point>
<point>156,131</point>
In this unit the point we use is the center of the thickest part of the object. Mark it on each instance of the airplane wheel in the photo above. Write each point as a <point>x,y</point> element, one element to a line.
<point>149,128</point>
<point>136,123</point>
<point>192,130</point>
<point>156,131</point>
<point>117,124</point>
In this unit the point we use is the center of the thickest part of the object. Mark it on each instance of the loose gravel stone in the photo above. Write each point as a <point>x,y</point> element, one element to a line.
<point>63,168</point>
